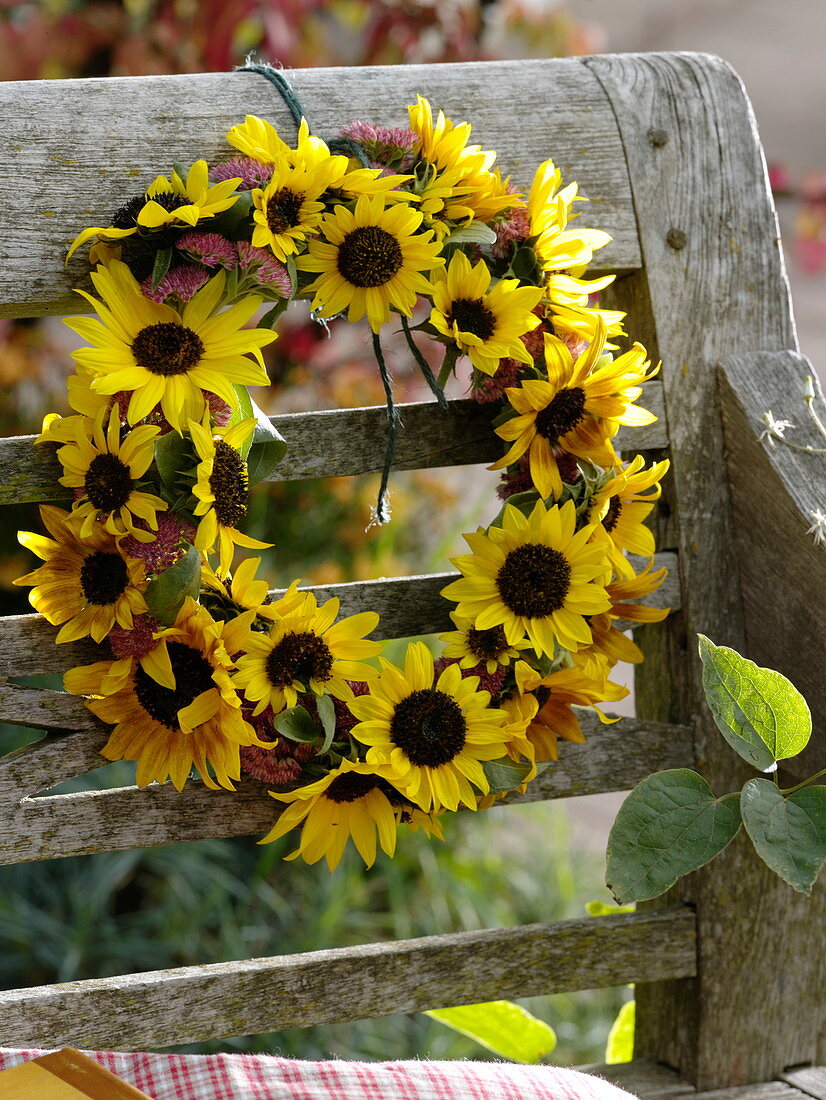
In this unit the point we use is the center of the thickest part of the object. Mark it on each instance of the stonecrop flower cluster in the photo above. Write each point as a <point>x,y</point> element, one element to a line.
<point>207,671</point>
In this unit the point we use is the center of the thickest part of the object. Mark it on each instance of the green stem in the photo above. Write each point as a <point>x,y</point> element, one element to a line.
<point>804,450</point>
<point>810,405</point>
<point>804,783</point>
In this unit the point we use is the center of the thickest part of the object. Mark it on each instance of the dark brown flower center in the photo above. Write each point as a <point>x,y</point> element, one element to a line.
<point>283,209</point>
<point>193,676</point>
<point>103,577</point>
<point>429,727</point>
<point>108,482</point>
<point>301,656</point>
<point>350,786</point>
<point>534,580</point>
<point>487,645</point>
<point>611,517</point>
<point>126,216</point>
<point>229,484</point>
<point>169,200</point>
<point>167,348</point>
<point>472,315</point>
<point>563,414</point>
<point>369,256</point>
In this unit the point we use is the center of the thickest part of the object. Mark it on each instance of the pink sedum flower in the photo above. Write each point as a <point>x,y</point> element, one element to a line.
<point>169,545</point>
<point>209,249</point>
<point>138,641</point>
<point>180,284</point>
<point>262,266</point>
<point>252,173</point>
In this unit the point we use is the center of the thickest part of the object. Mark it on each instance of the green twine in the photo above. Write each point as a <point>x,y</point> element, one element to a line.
<point>424,366</point>
<point>276,77</point>
<point>352,148</point>
<point>382,506</point>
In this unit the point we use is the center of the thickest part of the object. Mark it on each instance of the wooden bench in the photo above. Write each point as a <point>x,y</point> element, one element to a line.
<point>730,968</point>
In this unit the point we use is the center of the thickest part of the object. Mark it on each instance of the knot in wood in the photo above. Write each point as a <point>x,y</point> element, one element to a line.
<point>677,239</point>
<point>657,136</point>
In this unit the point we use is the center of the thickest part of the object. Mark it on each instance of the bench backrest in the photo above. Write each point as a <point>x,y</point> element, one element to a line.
<point>665,148</point>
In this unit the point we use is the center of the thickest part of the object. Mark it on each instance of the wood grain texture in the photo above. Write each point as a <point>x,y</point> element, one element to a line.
<point>407,606</point>
<point>783,573</point>
<point>653,1081</point>
<point>810,1080</point>
<point>724,293</point>
<point>382,979</point>
<point>100,141</point>
<point>340,442</point>
<point>615,758</point>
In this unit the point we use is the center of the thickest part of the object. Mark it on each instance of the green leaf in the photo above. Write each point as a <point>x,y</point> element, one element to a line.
<point>604,909</point>
<point>670,824</point>
<point>174,455</point>
<point>166,593</point>
<point>525,502</point>
<point>525,265</point>
<point>271,316</point>
<point>789,833</point>
<point>163,259</point>
<point>620,1045</point>
<point>505,774</point>
<point>243,411</point>
<point>501,1026</point>
<point>759,712</point>
<point>298,725</point>
<point>474,233</point>
<point>327,716</point>
<point>267,449</point>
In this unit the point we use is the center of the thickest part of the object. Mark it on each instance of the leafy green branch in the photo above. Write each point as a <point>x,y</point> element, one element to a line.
<point>672,822</point>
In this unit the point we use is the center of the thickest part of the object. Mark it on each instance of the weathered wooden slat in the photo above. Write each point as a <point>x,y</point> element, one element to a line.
<point>99,141</point>
<point>407,606</point>
<point>340,442</point>
<point>644,1078</point>
<point>653,1081</point>
<point>714,287</point>
<point>810,1080</point>
<point>615,758</point>
<point>781,570</point>
<point>350,983</point>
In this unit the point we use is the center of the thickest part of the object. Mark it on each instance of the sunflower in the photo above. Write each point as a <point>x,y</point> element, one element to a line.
<point>105,470</point>
<point>610,644</point>
<point>429,739</point>
<point>350,802</point>
<point>86,583</point>
<point>621,505</point>
<point>191,717</point>
<point>166,202</point>
<point>556,694</point>
<point>288,211</point>
<point>166,357</point>
<point>372,258</point>
<point>486,323</point>
<point>259,139</point>
<point>459,185</point>
<point>472,647</point>
<point>549,209</point>
<point>227,594</point>
<point>304,651</point>
<point>534,575</point>
<point>222,489</point>
<point>578,410</point>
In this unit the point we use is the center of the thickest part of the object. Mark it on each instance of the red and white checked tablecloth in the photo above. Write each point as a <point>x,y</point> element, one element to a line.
<point>263,1077</point>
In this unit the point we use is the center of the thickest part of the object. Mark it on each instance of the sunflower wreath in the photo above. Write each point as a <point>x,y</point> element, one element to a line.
<point>209,672</point>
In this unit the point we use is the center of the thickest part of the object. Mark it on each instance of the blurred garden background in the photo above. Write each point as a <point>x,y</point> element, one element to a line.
<point>208,902</point>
